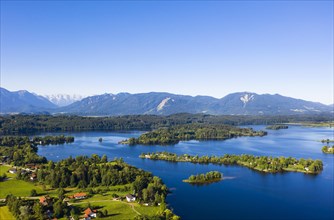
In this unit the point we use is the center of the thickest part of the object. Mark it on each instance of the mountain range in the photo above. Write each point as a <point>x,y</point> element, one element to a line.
<point>159,103</point>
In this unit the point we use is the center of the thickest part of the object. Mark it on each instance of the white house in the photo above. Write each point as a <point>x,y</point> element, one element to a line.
<point>130,198</point>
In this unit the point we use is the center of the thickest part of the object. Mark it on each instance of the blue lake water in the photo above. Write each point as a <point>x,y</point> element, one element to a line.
<point>247,194</point>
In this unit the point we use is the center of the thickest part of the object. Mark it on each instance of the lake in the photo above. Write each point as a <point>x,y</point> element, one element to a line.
<point>246,194</point>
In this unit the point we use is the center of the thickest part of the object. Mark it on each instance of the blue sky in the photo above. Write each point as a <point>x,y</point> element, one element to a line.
<point>193,48</point>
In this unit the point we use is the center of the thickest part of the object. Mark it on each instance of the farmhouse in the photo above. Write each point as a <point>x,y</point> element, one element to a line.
<point>44,200</point>
<point>89,213</point>
<point>80,195</point>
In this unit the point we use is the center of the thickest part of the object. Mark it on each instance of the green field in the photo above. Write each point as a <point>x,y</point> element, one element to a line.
<point>4,169</point>
<point>17,188</point>
<point>14,186</point>
<point>5,214</point>
<point>118,209</point>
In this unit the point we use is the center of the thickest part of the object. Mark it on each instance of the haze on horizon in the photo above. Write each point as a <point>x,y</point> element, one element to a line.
<point>190,48</point>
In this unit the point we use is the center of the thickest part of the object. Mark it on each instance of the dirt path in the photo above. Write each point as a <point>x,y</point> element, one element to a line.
<point>132,206</point>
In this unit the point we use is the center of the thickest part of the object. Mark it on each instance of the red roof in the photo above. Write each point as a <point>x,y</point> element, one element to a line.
<point>88,211</point>
<point>42,199</point>
<point>80,194</point>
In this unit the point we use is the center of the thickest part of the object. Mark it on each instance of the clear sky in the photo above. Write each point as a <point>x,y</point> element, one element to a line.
<point>192,48</point>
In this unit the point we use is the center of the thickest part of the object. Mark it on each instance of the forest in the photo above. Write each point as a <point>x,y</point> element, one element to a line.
<point>174,134</point>
<point>259,163</point>
<point>30,124</point>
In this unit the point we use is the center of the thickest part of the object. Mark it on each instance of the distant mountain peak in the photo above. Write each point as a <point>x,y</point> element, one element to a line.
<point>63,99</point>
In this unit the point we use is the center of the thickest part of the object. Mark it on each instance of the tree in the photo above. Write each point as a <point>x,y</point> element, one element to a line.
<point>73,182</point>
<point>99,214</point>
<point>82,184</point>
<point>74,214</point>
<point>38,210</point>
<point>24,212</point>
<point>61,193</point>
<point>3,177</point>
<point>163,207</point>
<point>157,198</point>
<point>33,192</point>
<point>58,209</point>
<point>104,159</point>
<point>324,149</point>
<point>139,184</point>
<point>144,195</point>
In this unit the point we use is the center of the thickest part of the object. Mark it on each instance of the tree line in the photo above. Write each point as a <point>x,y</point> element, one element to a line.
<point>259,163</point>
<point>29,124</point>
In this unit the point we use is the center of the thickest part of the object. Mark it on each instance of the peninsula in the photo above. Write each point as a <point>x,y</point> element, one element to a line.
<point>259,163</point>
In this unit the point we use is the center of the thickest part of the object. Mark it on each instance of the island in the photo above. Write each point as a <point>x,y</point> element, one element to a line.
<point>205,178</point>
<point>174,134</point>
<point>328,149</point>
<point>73,188</point>
<point>277,127</point>
<point>258,163</point>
